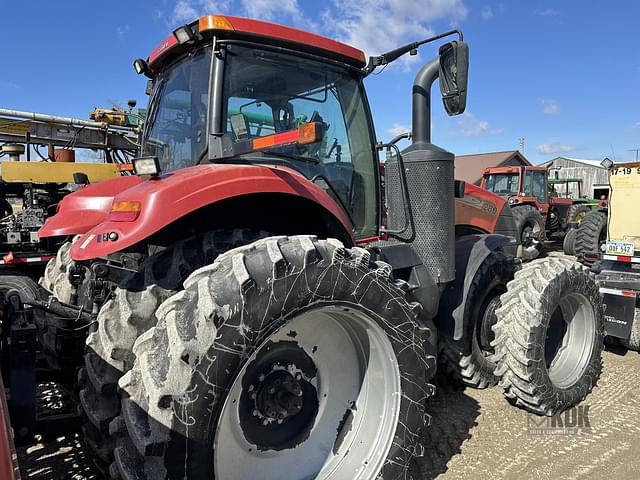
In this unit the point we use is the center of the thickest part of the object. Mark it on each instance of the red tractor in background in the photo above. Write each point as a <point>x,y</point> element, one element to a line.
<point>539,211</point>
<point>249,314</point>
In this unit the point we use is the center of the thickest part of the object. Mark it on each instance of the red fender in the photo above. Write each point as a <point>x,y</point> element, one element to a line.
<point>85,208</point>
<point>178,193</point>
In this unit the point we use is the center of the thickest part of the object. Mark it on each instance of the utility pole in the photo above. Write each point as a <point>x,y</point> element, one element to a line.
<point>521,142</point>
<point>635,150</point>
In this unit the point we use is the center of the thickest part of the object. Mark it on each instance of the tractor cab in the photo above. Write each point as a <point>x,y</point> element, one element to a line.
<point>237,97</point>
<point>520,185</point>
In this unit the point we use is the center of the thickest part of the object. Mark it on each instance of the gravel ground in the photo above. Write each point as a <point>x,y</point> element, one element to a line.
<point>476,434</point>
<point>482,436</point>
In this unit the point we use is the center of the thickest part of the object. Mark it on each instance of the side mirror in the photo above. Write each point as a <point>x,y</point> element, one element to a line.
<point>454,73</point>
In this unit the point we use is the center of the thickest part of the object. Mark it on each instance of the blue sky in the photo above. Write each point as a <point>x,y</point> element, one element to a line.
<point>561,74</point>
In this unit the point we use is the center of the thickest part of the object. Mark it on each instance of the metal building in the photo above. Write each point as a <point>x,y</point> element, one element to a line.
<point>595,179</point>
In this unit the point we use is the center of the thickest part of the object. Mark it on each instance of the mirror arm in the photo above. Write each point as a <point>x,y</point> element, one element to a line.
<point>393,55</point>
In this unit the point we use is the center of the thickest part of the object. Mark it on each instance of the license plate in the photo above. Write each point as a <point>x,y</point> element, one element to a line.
<point>620,248</point>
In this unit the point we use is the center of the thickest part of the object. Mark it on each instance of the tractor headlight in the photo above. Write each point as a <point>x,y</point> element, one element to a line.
<point>146,166</point>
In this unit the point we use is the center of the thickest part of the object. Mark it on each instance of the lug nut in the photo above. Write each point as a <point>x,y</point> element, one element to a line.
<point>261,377</point>
<point>255,412</point>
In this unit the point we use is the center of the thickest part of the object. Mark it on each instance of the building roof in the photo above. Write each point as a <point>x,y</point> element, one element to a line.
<point>470,167</point>
<point>591,163</point>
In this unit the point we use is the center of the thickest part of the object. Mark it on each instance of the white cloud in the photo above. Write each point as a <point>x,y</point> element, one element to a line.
<point>554,147</point>
<point>486,13</point>
<point>376,26</point>
<point>122,31</point>
<point>550,107</point>
<point>269,9</point>
<point>546,12</point>
<point>474,127</point>
<point>398,128</point>
<point>636,126</point>
<point>184,11</point>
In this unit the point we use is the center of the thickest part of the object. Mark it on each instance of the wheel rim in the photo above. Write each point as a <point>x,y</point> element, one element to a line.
<point>485,334</point>
<point>580,216</point>
<point>570,340</point>
<point>527,235</point>
<point>344,363</point>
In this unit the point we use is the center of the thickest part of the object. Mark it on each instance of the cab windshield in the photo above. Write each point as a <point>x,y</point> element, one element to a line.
<point>268,92</point>
<point>176,126</point>
<point>502,183</point>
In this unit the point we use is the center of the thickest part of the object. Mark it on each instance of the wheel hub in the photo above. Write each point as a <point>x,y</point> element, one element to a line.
<point>278,395</point>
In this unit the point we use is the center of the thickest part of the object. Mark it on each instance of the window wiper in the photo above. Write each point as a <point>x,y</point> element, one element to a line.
<point>289,156</point>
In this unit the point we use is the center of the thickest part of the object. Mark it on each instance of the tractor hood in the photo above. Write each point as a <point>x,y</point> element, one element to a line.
<point>85,208</point>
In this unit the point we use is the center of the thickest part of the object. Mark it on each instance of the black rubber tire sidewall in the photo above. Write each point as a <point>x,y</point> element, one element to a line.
<point>319,280</point>
<point>526,215</point>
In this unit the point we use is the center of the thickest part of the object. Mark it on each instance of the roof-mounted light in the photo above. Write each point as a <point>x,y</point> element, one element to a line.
<point>184,34</point>
<point>142,67</point>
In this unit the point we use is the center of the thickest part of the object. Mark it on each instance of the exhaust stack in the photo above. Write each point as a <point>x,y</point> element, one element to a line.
<point>430,179</point>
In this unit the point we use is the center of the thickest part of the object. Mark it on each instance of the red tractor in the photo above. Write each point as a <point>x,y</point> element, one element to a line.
<point>251,316</point>
<point>538,209</point>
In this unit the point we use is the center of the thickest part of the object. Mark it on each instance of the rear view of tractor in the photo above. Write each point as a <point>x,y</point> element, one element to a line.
<point>250,314</point>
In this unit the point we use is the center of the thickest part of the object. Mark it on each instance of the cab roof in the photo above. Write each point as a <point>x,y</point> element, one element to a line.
<point>225,26</point>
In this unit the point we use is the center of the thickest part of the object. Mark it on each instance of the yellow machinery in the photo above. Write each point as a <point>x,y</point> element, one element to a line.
<point>55,172</point>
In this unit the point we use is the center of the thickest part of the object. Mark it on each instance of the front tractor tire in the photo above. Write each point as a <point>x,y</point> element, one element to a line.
<point>469,359</point>
<point>291,358</point>
<point>549,336</point>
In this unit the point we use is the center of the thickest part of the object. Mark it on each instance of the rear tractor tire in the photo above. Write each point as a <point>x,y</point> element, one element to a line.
<point>569,242</point>
<point>531,227</point>
<point>577,213</point>
<point>592,233</point>
<point>549,336</point>
<point>469,359</point>
<point>288,358</point>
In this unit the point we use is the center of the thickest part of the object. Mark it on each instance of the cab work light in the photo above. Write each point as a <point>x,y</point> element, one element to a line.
<point>184,34</point>
<point>125,211</point>
<point>146,166</point>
